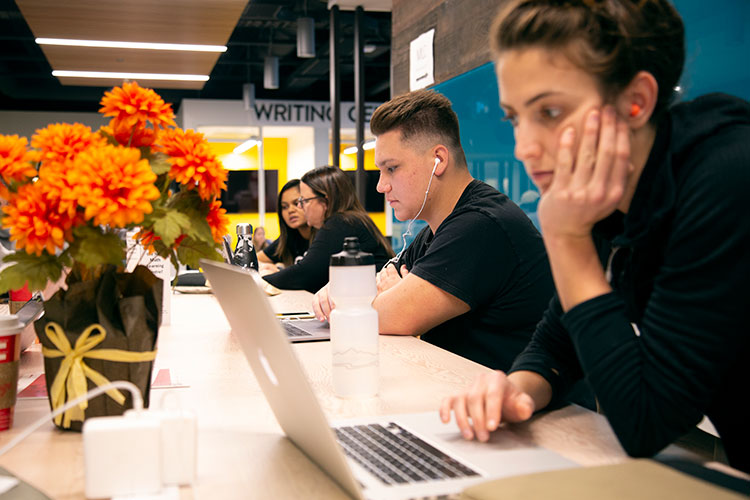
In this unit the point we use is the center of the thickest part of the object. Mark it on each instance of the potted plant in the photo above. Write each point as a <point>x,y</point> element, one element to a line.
<point>70,200</point>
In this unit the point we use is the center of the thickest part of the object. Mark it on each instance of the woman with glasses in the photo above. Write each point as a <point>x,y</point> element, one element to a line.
<point>294,232</point>
<point>331,207</point>
<point>641,214</point>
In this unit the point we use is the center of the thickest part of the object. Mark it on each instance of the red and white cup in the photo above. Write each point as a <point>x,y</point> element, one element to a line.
<point>10,354</point>
<point>18,298</point>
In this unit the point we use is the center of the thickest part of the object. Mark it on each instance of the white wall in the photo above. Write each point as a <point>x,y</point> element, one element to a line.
<point>300,148</point>
<point>25,123</point>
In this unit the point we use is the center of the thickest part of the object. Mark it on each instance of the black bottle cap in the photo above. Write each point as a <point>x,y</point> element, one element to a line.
<point>351,256</point>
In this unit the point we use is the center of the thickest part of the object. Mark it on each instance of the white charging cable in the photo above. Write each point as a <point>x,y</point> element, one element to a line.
<point>96,391</point>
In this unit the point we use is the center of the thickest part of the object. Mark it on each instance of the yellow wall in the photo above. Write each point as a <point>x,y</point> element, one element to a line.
<point>349,162</point>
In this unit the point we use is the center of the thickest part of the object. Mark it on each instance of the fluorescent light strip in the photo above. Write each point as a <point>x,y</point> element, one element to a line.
<point>130,76</point>
<point>131,45</point>
<point>248,144</point>
<point>353,149</point>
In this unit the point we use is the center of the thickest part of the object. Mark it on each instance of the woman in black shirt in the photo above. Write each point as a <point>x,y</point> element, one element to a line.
<point>331,207</point>
<point>641,211</point>
<point>294,233</point>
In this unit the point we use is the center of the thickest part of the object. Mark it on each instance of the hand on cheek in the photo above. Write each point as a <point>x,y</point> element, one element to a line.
<point>589,180</point>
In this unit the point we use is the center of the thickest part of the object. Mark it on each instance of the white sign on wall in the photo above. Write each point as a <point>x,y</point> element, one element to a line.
<point>422,61</point>
<point>201,112</point>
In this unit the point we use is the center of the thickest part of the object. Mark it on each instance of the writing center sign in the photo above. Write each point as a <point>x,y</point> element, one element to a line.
<point>272,112</point>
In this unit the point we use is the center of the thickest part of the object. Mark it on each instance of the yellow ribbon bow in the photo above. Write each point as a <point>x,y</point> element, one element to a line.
<point>71,377</point>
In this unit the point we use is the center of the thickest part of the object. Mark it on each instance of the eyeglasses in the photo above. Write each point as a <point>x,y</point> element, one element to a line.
<point>301,202</point>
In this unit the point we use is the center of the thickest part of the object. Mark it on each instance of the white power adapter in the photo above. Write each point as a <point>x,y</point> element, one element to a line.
<point>139,452</point>
<point>122,455</point>
<point>178,446</point>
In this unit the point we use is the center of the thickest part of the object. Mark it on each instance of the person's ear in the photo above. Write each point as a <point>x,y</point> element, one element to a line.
<point>637,102</point>
<point>441,153</point>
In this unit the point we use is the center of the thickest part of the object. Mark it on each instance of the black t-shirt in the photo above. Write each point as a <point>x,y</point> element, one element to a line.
<point>488,254</point>
<point>297,246</point>
<point>311,273</point>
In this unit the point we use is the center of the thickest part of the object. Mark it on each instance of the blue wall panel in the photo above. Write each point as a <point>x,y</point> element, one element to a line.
<point>717,60</point>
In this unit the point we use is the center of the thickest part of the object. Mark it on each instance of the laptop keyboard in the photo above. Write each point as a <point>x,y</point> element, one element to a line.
<point>396,456</point>
<point>294,330</point>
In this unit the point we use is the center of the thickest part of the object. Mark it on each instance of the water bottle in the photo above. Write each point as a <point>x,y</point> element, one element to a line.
<point>354,322</point>
<point>244,254</point>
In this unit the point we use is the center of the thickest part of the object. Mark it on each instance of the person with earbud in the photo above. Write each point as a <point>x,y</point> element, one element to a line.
<point>476,279</point>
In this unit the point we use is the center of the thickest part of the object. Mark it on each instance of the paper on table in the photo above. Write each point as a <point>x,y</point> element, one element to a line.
<point>33,386</point>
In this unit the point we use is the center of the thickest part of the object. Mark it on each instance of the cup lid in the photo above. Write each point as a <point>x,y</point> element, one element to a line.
<point>10,325</point>
<point>351,255</point>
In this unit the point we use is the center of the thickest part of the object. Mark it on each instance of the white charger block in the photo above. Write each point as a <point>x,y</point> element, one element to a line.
<point>178,446</point>
<point>122,455</point>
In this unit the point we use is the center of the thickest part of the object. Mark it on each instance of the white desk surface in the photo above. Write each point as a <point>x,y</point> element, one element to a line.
<point>242,452</point>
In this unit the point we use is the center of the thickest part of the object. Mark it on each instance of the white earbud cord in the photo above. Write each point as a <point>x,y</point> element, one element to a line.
<point>395,259</point>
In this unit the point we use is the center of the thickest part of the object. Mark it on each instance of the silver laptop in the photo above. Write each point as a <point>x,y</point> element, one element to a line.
<point>404,456</point>
<point>300,326</point>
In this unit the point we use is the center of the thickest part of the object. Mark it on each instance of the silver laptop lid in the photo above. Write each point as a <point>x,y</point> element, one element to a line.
<point>286,388</point>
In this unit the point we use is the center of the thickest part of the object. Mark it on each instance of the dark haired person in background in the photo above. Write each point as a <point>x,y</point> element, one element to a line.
<point>331,207</point>
<point>294,233</point>
<point>476,280</point>
<point>641,211</point>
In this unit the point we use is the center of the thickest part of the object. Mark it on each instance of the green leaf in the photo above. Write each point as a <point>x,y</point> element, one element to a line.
<point>159,164</point>
<point>190,252</point>
<point>200,230</point>
<point>36,270</point>
<point>171,226</point>
<point>92,247</point>
<point>110,138</point>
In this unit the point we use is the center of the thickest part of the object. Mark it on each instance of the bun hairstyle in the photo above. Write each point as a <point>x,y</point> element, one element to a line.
<point>610,39</point>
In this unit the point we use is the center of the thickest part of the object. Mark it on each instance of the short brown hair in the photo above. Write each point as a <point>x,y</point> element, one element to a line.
<point>418,114</point>
<point>610,39</point>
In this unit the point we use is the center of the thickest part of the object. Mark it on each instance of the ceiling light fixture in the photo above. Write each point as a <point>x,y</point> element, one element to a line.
<point>350,150</point>
<point>131,45</point>
<point>305,36</point>
<point>271,72</point>
<point>129,76</point>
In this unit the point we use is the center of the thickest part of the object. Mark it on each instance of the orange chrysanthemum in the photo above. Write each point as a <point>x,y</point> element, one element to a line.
<point>114,185</point>
<point>137,137</point>
<point>57,185</point>
<point>193,164</point>
<point>146,237</point>
<point>15,161</point>
<point>131,105</point>
<point>217,220</point>
<point>62,142</point>
<point>35,222</point>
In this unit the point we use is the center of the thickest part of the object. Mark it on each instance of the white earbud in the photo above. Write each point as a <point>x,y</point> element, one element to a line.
<point>437,160</point>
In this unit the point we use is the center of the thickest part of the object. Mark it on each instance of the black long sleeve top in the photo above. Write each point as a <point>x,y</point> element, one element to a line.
<point>311,273</point>
<point>671,342</point>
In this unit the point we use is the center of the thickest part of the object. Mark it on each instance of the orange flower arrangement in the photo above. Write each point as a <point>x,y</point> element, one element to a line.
<point>70,199</point>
